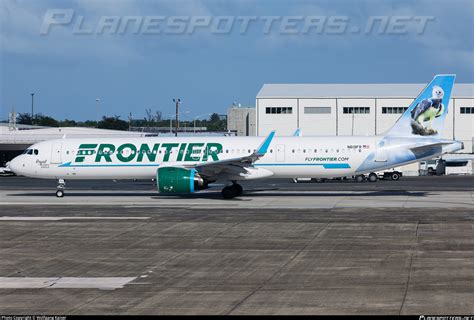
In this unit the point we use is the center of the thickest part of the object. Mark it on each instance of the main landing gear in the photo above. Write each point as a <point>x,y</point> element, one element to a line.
<point>372,177</point>
<point>235,190</point>
<point>61,186</point>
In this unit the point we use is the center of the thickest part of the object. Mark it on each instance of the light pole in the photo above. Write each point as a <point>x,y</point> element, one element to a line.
<point>177,102</point>
<point>171,120</point>
<point>195,118</point>
<point>97,100</point>
<point>32,107</point>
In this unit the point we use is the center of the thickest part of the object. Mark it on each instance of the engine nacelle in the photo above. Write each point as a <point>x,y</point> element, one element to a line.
<point>179,180</point>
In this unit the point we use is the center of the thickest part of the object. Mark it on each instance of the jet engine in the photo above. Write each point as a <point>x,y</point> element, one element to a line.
<point>179,180</point>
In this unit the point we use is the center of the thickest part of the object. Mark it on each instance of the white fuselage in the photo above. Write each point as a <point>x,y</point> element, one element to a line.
<point>139,158</point>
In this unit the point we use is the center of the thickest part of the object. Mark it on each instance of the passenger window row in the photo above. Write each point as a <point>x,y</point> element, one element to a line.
<point>324,150</point>
<point>237,151</point>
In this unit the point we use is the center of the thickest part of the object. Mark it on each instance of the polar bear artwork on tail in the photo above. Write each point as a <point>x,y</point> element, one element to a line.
<point>426,111</point>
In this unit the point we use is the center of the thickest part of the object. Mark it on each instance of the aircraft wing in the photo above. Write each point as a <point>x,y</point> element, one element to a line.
<point>234,166</point>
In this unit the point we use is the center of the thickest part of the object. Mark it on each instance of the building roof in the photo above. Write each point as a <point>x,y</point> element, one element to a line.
<point>22,126</point>
<point>351,90</point>
<point>8,136</point>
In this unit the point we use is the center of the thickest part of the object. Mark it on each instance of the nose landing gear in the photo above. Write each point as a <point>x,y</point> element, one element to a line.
<point>61,186</point>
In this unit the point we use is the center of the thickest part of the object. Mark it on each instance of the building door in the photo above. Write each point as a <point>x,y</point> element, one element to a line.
<point>280,153</point>
<point>56,152</point>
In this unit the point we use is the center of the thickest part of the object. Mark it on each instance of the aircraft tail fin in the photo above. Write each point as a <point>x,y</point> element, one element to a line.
<point>426,115</point>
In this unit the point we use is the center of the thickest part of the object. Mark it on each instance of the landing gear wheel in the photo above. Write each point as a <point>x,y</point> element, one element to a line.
<point>359,178</point>
<point>228,192</point>
<point>395,176</point>
<point>373,177</point>
<point>238,189</point>
<point>61,187</point>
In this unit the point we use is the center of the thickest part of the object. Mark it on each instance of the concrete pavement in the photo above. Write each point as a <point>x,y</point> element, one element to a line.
<point>280,249</point>
<point>239,261</point>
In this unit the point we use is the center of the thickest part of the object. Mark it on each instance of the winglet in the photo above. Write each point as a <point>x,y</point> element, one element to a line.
<point>297,133</point>
<point>264,146</point>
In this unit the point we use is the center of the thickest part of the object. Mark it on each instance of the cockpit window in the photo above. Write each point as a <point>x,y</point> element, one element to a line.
<point>31,151</point>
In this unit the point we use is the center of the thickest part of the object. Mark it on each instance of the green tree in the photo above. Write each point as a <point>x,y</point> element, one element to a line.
<point>88,123</point>
<point>113,123</point>
<point>215,123</point>
<point>67,123</point>
<point>24,118</point>
<point>42,120</point>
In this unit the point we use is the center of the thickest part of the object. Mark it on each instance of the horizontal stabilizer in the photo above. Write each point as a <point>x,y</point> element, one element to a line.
<point>423,150</point>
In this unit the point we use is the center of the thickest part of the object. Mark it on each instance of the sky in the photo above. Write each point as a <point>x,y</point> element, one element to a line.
<point>66,53</point>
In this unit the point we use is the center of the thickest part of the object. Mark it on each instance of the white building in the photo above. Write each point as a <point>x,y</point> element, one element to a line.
<point>354,109</point>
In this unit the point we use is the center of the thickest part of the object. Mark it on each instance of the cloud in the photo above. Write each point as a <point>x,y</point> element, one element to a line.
<point>20,34</point>
<point>448,40</point>
<point>21,23</point>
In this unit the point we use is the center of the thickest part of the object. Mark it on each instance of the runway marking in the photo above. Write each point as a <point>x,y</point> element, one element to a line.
<point>105,283</point>
<point>20,218</point>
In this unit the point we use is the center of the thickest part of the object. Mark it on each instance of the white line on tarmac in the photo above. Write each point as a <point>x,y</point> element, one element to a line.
<point>105,283</point>
<point>19,218</point>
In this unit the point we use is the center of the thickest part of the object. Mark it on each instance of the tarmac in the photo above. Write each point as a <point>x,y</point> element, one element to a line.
<point>403,247</point>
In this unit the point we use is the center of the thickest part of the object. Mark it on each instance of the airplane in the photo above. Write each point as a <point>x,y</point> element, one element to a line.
<point>183,165</point>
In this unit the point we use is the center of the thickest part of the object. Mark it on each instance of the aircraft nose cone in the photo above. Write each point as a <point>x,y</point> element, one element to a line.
<point>15,166</point>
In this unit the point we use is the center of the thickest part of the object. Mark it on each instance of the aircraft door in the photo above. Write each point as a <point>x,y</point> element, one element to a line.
<point>56,152</point>
<point>380,152</point>
<point>280,153</point>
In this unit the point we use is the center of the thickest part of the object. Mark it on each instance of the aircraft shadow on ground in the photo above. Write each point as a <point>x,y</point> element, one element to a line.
<point>381,193</point>
<point>254,193</point>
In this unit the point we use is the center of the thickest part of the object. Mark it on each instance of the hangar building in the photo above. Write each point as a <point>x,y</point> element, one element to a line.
<point>354,109</point>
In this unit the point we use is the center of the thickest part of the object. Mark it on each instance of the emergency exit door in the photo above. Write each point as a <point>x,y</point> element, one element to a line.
<point>56,152</point>
<point>280,153</point>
